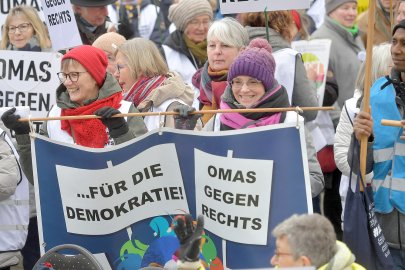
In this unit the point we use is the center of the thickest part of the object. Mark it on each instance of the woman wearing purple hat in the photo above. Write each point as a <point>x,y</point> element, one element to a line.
<point>251,84</point>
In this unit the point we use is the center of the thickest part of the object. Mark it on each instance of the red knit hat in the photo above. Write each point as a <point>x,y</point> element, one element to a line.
<point>93,59</point>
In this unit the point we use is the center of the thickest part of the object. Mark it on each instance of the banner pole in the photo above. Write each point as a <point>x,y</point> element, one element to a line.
<point>92,116</point>
<point>367,84</point>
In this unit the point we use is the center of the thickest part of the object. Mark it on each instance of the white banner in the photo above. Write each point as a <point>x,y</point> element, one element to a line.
<point>29,79</point>
<point>243,6</point>
<point>234,195</point>
<point>97,202</point>
<point>61,22</point>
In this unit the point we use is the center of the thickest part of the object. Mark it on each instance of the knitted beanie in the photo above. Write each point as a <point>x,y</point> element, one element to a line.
<point>331,5</point>
<point>93,59</point>
<point>186,10</point>
<point>109,42</point>
<point>256,61</point>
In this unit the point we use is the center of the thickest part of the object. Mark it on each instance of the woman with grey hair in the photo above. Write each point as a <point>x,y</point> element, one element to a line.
<point>310,240</point>
<point>226,39</point>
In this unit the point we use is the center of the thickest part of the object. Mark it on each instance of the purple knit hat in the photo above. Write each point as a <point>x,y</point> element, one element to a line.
<point>256,61</point>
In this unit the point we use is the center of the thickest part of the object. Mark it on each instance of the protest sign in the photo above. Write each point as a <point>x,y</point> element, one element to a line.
<point>29,79</point>
<point>119,202</point>
<point>243,6</point>
<point>315,54</point>
<point>60,19</point>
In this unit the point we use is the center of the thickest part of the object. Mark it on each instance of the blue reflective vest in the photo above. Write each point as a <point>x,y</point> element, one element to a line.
<point>388,150</point>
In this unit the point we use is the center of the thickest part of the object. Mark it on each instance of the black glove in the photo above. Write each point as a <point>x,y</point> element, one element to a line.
<point>117,125</point>
<point>185,120</point>
<point>189,237</point>
<point>10,120</point>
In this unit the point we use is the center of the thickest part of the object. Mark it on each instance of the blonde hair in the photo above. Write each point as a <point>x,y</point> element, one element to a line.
<point>33,18</point>
<point>143,58</point>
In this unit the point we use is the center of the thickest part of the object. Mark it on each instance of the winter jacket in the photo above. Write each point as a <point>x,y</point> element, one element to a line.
<point>342,260</point>
<point>382,26</point>
<point>343,61</point>
<point>136,125</point>
<point>14,204</point>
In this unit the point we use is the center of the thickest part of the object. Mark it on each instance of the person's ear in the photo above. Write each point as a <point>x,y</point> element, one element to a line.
<point>242,49</point>
<point>305,261</point>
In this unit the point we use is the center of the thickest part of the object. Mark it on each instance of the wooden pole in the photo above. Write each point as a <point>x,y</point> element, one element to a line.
<point>367,84</point>
<point>392,123</point>
<point>81,117</point>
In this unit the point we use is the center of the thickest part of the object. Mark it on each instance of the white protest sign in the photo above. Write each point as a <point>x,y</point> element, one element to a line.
<point>233,194</point>
<point>61,22</point>
<point>29,79</point>
<point>315,54</point>
<point>97,202</point>
<point>6,5</point>
<point>243,6</point>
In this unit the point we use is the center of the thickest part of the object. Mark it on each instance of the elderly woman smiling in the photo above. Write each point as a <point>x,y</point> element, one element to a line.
<point>185,49</point>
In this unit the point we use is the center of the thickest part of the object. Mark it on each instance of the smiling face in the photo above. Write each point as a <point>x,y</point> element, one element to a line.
<point>84,88</point>
<point>345,14</point>
<point>247,90</point>
<point>197,29</point>
<point>20,38</point>
<point>123,73</point>
<point>220,55</point>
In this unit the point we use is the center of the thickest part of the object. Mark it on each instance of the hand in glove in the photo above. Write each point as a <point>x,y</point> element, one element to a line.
<point>117,125</point>
<point>185,120</point>
<point>189,237</point>
<point>10,120</point>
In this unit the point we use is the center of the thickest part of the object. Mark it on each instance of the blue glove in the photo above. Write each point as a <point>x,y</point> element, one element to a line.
<point>117,126</point>
<point>185,120</point>
<point>10,120</point>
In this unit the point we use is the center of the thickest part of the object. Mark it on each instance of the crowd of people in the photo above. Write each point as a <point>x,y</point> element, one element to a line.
<point>183,56</point>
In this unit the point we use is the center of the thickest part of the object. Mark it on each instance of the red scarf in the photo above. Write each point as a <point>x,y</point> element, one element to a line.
<point>143,87</point>
<point>89,132</point>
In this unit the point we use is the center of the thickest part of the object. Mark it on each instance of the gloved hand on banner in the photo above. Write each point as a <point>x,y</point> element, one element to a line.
<point>117,125</point>
<point>185,120</point>
<point>10,120</point>
<point>190,240</point>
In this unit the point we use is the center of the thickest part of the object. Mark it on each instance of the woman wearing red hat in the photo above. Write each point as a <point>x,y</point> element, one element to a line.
<point>86,88</point>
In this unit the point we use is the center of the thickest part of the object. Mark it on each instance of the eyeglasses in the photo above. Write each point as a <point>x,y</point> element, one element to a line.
<point>197,23</point>
<point>21,27</point>
<point>251,84</point>
<point>73,76</point>
<point>118,67</point>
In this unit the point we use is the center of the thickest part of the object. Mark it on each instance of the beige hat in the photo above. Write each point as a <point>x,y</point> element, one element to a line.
<point>331,5</point>
<point>109,42</point>
<point>186,10</point>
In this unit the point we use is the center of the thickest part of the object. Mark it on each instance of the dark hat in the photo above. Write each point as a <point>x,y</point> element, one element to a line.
<point>92,3</point>
<point>401,24</point>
